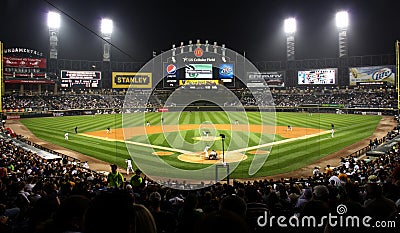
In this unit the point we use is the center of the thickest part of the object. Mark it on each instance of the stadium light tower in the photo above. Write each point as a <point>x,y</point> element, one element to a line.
<point>290,30</point>
<point>53,22</point>
<point>106,31</point>
<point>342,23</point>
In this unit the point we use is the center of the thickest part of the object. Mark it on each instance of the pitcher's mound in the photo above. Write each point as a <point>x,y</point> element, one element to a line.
<point>198,157</point>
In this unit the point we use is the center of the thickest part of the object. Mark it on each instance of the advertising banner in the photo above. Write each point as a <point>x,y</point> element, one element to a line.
<point>139,80</point>
<point>226,71</point>
<point>266,79</point>
<point>25,62</point>
<point>372,74</point>
<point>198,82</point>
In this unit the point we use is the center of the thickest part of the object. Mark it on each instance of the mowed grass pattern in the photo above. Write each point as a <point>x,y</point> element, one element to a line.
<point>283,157</point>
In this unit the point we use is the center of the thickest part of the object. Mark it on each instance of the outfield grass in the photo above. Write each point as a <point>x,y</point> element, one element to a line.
<point>284,157</point>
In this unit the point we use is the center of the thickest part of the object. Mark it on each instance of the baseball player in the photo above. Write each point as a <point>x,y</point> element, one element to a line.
<point>129,167</point>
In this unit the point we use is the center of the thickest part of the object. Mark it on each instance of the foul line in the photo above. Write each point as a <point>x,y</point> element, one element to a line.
<point>281,141</point>
<point>190,152</point>
<point>139,144</point>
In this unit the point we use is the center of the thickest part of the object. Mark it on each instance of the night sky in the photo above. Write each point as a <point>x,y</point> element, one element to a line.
<point>255,27</point>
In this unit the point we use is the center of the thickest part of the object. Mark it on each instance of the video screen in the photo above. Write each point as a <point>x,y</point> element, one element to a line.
<point>83,79</point>
<point>198,71</point>
<point>317,77</point>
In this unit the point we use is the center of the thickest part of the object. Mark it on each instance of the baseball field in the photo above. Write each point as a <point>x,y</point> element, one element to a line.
<point>182,145</point>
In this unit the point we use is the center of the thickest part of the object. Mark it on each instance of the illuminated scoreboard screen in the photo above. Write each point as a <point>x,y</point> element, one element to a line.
<point>81,79</point>
<point>317,77</point>
<point>198,75</point>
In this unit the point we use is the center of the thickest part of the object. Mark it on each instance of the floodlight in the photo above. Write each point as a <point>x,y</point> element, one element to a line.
<point>106,26</point>
<point>53,20</point>
<point>290,25</point>
<point>342,19</point>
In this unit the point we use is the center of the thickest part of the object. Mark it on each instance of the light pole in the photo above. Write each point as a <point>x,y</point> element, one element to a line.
<point>290,30</point>
<point>53,22</point>
<point>342,23</point>
<point>106,30</point>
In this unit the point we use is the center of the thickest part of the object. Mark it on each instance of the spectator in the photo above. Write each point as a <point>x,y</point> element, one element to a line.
<point>377,205</point>
<point>165,221</point>
<point>143,220</point>
<point>222,221</point>
<point>188,215</point>
<point>110,212</point>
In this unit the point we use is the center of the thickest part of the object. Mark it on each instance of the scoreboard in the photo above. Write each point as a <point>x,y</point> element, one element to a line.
<point>317,77</point>
<point>198,74</point>
<point>82,79</point>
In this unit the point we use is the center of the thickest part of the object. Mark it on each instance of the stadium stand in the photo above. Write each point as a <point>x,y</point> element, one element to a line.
<point>288,97</point>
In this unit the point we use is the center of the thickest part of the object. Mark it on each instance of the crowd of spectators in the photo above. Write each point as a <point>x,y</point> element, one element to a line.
<point>72,101</point>
<point>289,97</point>
<point>37,195</point>
<point>348,98</point>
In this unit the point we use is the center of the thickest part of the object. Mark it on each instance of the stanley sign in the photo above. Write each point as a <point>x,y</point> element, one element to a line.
<point>137,80</point>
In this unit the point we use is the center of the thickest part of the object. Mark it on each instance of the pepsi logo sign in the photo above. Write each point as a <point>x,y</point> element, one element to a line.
<point>198,52</point>
<point>171,69</point>
<point>381,74</point>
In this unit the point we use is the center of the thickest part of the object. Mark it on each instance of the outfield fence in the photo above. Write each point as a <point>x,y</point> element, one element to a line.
<point>10,114</point>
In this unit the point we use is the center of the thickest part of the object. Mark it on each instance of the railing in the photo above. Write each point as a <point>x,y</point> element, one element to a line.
<point>364,150</point>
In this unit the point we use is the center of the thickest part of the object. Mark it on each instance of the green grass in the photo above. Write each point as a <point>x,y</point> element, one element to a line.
<point>283,157</point>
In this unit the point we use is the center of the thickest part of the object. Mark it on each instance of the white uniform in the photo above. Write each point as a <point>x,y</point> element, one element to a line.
<point>206,152</point>
<point>66,136</point>
<point>213,155</point>
<point>332,132</point>
<point>129,162</point>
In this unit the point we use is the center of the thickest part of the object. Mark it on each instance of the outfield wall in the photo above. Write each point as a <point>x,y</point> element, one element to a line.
<point>305,109</point>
